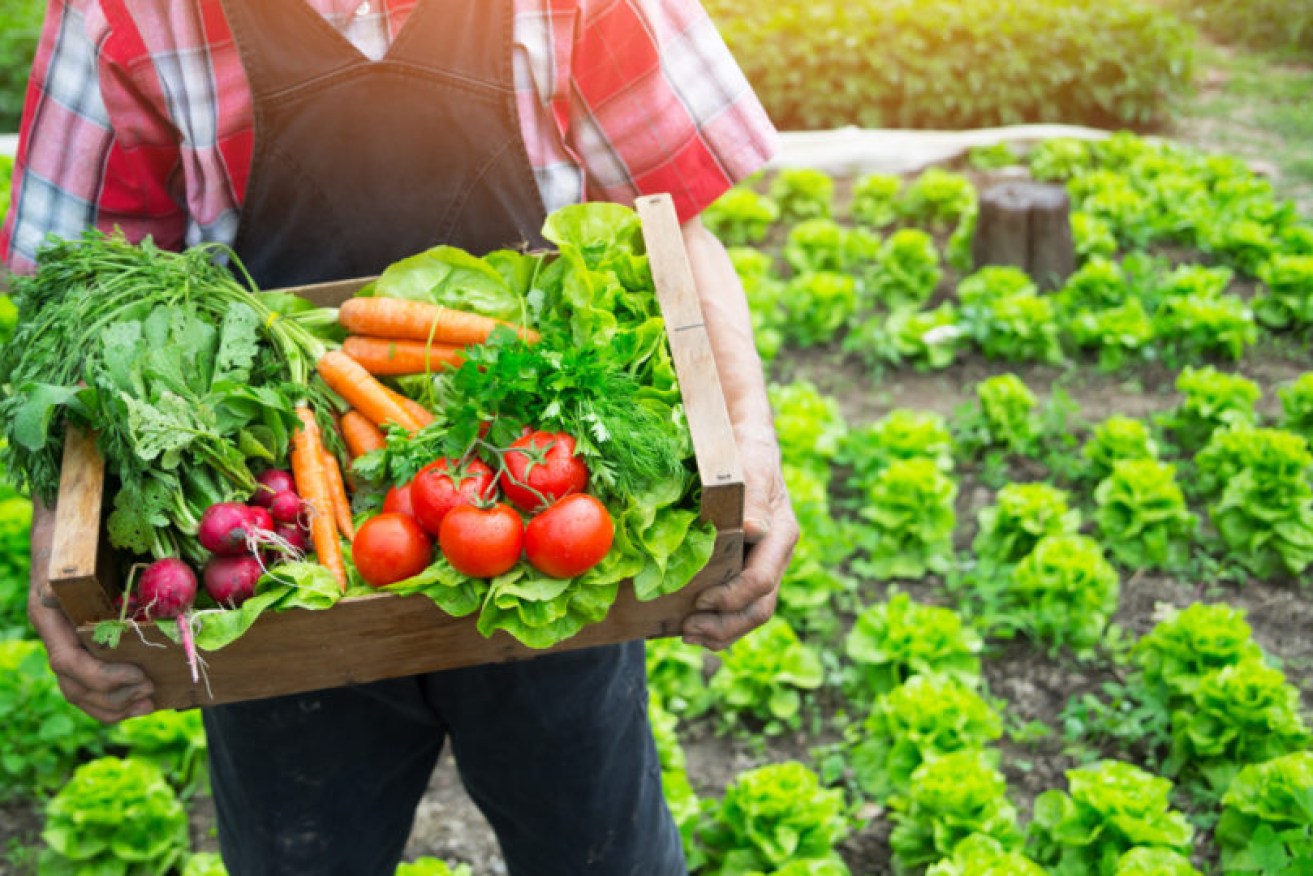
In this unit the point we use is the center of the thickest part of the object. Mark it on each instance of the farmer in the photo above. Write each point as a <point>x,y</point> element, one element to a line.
<point>325,139</point>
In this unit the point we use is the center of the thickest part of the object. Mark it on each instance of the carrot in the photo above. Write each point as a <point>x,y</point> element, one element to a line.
<point>337,492</point>
<point>422,415</point>
<point>349,379</point>
<point>312,483</point>
<point>392,357</point>
<point>420,321</point>
<point>361,436</point>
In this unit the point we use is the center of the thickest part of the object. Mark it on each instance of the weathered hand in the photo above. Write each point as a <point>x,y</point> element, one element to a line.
<point>731,610</point>
<point>108,692</point>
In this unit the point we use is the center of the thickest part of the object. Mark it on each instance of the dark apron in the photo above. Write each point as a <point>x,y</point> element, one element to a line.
<point>358,163</point>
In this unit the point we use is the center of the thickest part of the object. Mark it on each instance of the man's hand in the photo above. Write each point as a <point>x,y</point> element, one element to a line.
<point>731,610</point>
<point>108,692</point>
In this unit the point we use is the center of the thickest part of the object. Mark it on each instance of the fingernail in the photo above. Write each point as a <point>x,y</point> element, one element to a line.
<point>704,603</point>
<point>757,525</point>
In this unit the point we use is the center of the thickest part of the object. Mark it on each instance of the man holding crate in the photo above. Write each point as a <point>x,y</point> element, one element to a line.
<point>324,139</point>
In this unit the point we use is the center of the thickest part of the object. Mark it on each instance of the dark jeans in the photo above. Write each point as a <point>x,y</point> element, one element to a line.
<point>556,751</point>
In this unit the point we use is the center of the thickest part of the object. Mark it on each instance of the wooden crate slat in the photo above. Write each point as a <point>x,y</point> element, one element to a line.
<point>719,464</point>
<point>74,552</point>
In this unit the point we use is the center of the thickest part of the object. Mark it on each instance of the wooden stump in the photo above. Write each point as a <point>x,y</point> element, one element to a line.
<point>1028,225</point>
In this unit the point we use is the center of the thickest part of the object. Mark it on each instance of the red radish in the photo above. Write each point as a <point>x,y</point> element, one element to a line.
<point>261,519</point>
<point>230,581</point>
<point>166,590</point>
<point>133,611</point>
<point>294,534</point>
<point>270,484</point>
<point>286,507</point>
<point>224,528</point>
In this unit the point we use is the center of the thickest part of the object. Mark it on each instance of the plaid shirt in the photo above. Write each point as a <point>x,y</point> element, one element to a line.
<point>139,113</point>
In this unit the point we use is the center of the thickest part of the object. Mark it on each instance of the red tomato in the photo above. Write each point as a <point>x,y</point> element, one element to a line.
<point>545,461</point>
<point>570,537</point>
<point>482,542</point>
<point>397,501</point>
<point>391,548</point>
<point>442,485</point>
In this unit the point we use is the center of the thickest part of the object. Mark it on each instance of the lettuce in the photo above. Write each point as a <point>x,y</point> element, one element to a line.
<point>938,198</point>
<point>1287,299</point>
<point>1109,809</point>
<point>923,718</point>
<point>1021,515</point>
<point>1064,592</point>
<point>772,817</point>
<point>980,855</point>
<point>1267,816</point>
<point>909,519</point>
<point>803,193</point>
<point>1189,644</point>
<point>907,270</point>
<point>741,216</point>
<point>1149,861</point>
<point>1297,406</point>
<point>949,799</point>
<point>1211,400</point>
<point>764,674</point>
<point>901,434</point>
<point>675,676</point>
<point>1116,439</point>
<point>892,641</point>
<point>1142,515</point>
<point>928,339</point>
<point>875,198</point>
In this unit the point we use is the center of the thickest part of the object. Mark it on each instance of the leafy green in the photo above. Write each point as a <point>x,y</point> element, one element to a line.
<point>819,304</point>
<point>763,675</point>
<point>685,807</point>
<point>1297,405</point>
<point>173,741</point>
<point>822,244</point>
<point>1004,312</point>
<point>1149,861</point>
<point>802,193</point>
<point>1109,809</point>
<point>1267,816</point>
<point>114,817</point>
<point>1212,400</point>
<point>1008,406</point>
<point>1287,300</point>
<point>1117,439</point>
<point>1265,509</point>
<point>903,433</point>
<point>1092,237</point>
<point>773,816</point>
<point>741,216</point>
<point>428,866</point>
<point>949,799</point>
<point>928,339</point>
<point>908,521</point>
<point>204,864</point>
<point>809,424</point>
<point>675,676</point>
<point>875,197</point>
<point>1142,515</point>
<point>981,855</point>
<point>1190,643</point>
<point>1064,592</point>
<point>906,271</point>
<point>923,718</point>
<point>937,198</point>
<point>1241,714</point>
<point>1021,515</point>
<point>1196,325</point>
<point>42,736</point>
<point>892,641</point>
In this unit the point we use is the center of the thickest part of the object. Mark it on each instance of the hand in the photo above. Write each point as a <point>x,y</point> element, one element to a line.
<point>108,692</point>
<point>729,611</point>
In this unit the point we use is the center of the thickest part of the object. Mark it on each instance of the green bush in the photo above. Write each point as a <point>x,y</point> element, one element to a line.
<point>958,63</point>
<point>1269,24</point>
<point>41,735</point>
<point>20,26</point>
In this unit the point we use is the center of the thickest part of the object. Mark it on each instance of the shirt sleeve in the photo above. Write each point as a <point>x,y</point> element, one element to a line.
<point>93,150</point>
<point>658,104</point>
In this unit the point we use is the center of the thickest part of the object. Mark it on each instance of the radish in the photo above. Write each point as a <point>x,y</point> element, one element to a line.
<point>294,534</point>
<point>231,580</point>
<point>166,590</point>
<point>226,527</point>
<point>270,484</point>
<point>286,507</point>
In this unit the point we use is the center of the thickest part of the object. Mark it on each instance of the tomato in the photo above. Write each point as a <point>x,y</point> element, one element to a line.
<point>442,485</point>
<point>546,462</point>
<point>390,548</point>
<point>570,537</point>
<point>397,501</point>
<point>482,542</point>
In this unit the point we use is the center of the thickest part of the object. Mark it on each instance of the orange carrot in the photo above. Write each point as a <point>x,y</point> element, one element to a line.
<point>312,483</point>
<point>420,321</point>
<point>349,379</point>
<point>422,415</point>
<point>337,492</point>
<point>361,436</point>
<point>391,357</point>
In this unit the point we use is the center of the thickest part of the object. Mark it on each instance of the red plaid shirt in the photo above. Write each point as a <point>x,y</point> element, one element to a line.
<point>138,113</point>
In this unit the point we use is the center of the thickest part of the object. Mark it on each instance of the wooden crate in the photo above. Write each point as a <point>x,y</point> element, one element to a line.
<point>366,638</point>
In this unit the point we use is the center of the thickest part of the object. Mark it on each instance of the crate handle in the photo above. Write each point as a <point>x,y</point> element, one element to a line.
<point>75,547</point>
